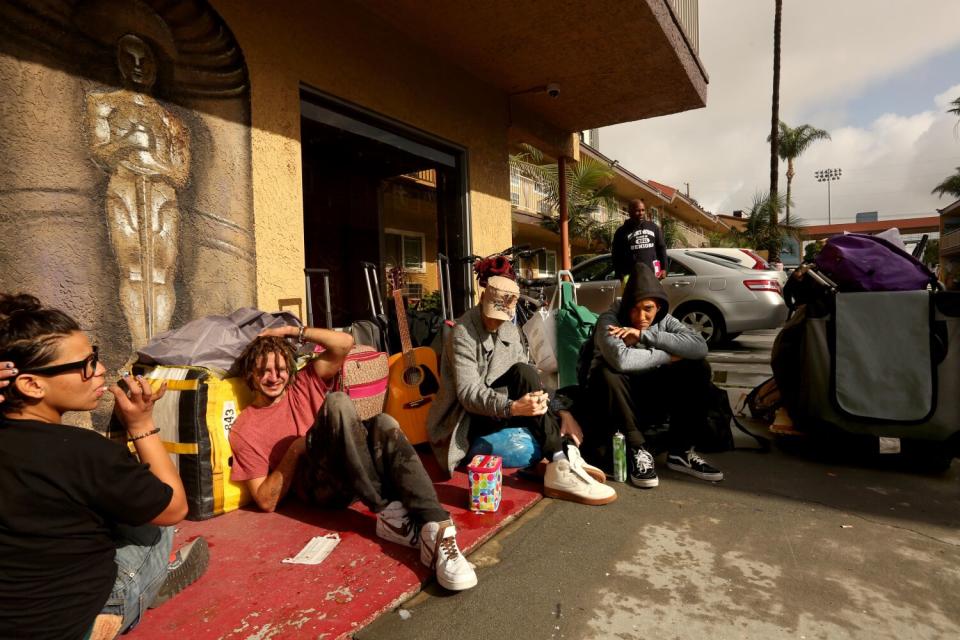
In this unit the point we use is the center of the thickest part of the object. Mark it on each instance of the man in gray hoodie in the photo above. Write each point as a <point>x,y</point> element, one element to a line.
<point>648,366</point>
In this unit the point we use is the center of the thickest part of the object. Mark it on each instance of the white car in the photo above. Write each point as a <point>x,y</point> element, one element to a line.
<point>745,257</point>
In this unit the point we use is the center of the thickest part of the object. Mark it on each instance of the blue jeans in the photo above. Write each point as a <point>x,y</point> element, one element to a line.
<point>143,554</point>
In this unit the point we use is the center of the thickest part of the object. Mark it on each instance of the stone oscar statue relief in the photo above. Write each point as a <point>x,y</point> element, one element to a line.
<point>145,150</point>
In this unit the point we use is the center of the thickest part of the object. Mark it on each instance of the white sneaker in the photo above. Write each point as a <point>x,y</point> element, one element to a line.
<point>439,551</point>
<point>394,525</point>
<point>569,480</point>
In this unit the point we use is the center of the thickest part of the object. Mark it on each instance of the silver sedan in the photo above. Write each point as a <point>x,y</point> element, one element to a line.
<point>709,294</point>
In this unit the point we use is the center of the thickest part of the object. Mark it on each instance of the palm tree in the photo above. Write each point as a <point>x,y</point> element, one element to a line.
<point>955,109</point>
<point>589,188</point>
<point>774,122</point>
<point>792,144</point>
<point>761,230</point>
<point>950,186</point>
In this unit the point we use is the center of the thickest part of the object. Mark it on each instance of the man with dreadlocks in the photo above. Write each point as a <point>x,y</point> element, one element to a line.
<point>298,434</point>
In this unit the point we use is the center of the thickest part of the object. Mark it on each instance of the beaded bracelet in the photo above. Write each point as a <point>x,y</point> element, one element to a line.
<point>144,435</point>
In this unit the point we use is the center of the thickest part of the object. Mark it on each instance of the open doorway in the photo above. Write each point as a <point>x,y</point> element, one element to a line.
<point>376,191</point>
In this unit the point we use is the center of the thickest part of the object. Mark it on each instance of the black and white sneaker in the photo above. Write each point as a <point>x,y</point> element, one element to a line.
<point>642,472</point>
<point>692,464</point>
<point>188,564</point>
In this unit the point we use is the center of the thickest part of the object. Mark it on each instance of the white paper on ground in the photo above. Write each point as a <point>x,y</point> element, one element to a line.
<point>316,550</point>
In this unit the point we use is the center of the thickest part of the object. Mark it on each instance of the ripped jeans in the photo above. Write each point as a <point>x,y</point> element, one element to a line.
<point>143,554</point>
<point>371,461</point>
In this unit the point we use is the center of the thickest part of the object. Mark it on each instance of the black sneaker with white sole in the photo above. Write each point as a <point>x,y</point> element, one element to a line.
<point>690,463</point>
<point>643,474</point>
<point>189,563</point>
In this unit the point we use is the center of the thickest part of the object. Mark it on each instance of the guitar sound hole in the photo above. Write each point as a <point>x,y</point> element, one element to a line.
<point>413,376</point>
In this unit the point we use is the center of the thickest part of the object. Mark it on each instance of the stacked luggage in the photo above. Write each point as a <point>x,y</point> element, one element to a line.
<point>871,353</point>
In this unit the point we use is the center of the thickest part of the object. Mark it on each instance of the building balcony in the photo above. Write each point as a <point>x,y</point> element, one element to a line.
<point>950,243</point>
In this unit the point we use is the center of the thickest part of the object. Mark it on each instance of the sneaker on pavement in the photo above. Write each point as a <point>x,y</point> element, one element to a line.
<point>188,563</point>
<point>394,525</point>
<point>567,479</point>
<point>692,464</point>
<point>439,551</point>
<point>643,473</point>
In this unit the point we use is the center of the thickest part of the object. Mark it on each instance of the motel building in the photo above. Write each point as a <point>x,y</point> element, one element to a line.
<point>166,160</point>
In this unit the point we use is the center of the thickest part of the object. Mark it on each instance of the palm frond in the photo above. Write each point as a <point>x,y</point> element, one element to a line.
<point>950,186</point>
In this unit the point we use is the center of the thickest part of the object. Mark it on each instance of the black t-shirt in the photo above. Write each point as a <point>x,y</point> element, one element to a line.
<point>61,491</point>
<point>638,241</point>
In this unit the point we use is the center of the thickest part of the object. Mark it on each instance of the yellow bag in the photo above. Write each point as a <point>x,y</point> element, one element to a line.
<point>195,417</point>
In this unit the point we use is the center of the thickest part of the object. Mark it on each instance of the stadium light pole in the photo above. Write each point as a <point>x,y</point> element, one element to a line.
<point>828,176</point>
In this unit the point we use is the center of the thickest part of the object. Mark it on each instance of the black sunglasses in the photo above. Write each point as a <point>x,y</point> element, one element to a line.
<point>88,366</point>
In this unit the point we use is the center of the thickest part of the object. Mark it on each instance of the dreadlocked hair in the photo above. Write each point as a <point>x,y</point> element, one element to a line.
<point>257,352</point>
<point>30,335</point>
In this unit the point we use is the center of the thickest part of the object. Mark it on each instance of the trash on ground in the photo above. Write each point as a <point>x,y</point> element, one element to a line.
<point>404,614</point>
<point>316,550</point>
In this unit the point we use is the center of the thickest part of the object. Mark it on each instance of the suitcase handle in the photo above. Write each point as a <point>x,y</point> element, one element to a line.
<point>325,275</point>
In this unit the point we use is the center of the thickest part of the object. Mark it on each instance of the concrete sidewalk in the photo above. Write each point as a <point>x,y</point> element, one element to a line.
<point>787,546</point>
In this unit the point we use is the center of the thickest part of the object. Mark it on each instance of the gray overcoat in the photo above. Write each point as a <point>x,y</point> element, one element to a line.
<point>472,359</point>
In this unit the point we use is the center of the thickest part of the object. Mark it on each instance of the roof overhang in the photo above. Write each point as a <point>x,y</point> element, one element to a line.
<point>613,62</point>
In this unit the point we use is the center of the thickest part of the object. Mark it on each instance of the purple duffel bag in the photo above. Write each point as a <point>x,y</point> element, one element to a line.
<point>857,262</point>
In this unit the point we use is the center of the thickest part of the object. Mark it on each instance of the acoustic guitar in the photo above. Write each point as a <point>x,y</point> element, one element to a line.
<point>412,381</point>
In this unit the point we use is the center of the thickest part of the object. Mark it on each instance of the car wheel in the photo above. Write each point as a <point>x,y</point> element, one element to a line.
<point>705,321</point>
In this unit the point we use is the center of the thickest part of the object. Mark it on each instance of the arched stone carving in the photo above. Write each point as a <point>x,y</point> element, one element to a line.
<point>55,187</point>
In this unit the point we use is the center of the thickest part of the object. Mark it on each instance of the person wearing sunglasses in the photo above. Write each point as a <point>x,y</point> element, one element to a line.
<point>85,528</point>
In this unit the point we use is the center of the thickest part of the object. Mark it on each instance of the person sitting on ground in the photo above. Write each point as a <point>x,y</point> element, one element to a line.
<point>75,543</point>
<point>488,384</point>
<point>649,365</point>
<point>299,434</point>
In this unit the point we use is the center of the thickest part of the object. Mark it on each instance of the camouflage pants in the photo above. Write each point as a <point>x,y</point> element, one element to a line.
<point>373,462</point>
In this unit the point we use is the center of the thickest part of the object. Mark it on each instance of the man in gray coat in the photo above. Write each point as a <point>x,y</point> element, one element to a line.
<point>487,384</point>
<point>649,366</point>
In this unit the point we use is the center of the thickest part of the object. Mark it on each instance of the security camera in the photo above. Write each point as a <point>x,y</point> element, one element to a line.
<point>553,90</point>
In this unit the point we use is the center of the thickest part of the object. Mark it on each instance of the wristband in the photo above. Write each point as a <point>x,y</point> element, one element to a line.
<point>509,408</point>
<point>303,328</point>
<point>144,435</point>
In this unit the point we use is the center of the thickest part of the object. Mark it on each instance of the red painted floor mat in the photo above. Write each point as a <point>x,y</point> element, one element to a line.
<point>248,593</point>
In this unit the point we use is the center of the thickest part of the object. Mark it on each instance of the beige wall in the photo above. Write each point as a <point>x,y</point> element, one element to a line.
<point>346,52</point>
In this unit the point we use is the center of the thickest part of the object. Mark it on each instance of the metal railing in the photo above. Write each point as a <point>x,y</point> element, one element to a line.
<point>428,176</point>
<point>950,241</point>
<point>694,237</point>
<point>525,195</point>
<point>687,14</point>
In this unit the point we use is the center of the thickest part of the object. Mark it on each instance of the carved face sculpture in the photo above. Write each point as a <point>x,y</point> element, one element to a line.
<point>137,63</point>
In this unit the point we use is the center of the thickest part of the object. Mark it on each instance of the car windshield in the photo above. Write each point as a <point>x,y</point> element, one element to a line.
<point>596,269</point>
<point>723,262</point>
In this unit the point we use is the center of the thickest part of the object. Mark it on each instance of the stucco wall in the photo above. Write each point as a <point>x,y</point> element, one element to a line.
<point>348,53</point>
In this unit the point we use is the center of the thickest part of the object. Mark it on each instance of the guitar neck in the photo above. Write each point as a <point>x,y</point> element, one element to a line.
<point>406,344</point>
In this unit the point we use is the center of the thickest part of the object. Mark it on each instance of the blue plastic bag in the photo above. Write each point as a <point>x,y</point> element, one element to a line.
<point>514,444</point>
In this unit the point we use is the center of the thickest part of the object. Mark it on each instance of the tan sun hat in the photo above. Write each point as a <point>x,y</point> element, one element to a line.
<point>499,299</point>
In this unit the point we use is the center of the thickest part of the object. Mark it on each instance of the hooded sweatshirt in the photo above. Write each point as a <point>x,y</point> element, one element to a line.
<point>664,338</point>
<point>638,241</point>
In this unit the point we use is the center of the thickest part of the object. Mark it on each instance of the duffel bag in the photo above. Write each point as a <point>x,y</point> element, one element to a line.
<point>194,417</point>
<point>858,262</point>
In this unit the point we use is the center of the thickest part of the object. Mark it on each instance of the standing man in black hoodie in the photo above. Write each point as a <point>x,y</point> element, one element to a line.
<point>639,240</point>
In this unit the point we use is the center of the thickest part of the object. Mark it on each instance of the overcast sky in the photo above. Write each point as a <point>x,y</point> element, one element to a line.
<point>877,74</point>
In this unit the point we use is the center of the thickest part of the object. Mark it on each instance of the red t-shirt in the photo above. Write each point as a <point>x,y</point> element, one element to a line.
<point>261,435</point>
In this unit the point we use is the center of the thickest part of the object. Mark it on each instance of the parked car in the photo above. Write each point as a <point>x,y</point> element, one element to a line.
<point>713,295</point>
<point>747,258</point>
